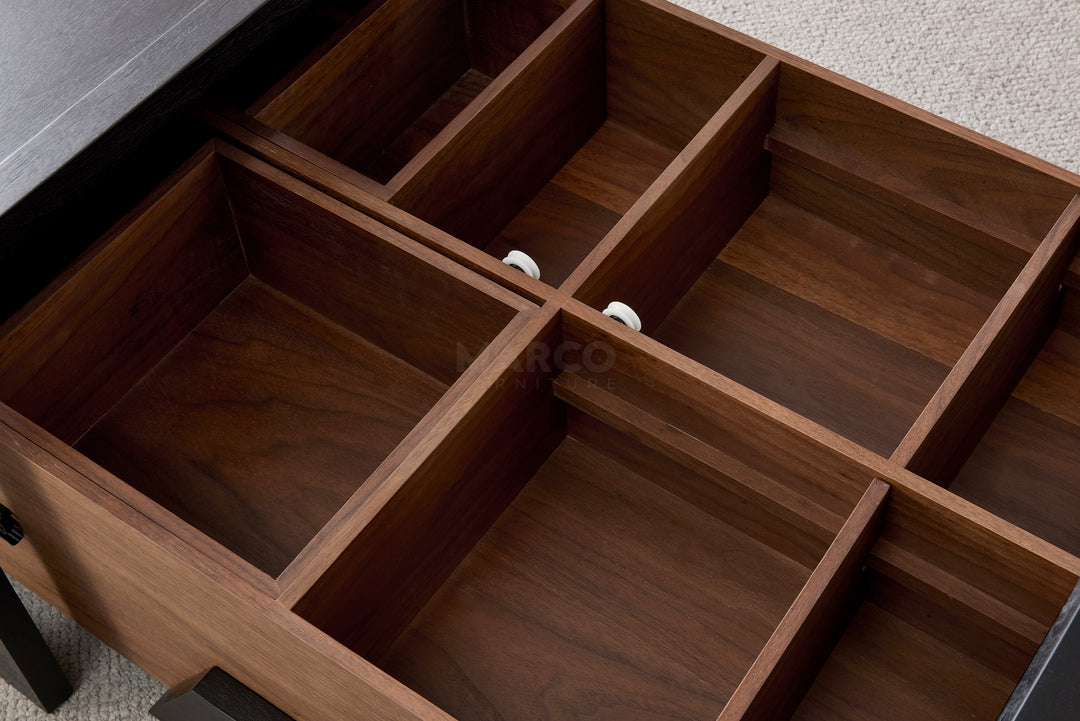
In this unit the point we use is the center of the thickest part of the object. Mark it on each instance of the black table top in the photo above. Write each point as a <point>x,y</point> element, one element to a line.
<point>69,70</point>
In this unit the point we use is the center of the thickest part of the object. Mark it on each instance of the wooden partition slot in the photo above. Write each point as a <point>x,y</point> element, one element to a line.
<point>553,163</point>
<point>615,583</point>
<point>245,353</point>
<point>830,298</point>
<point>387,89</point>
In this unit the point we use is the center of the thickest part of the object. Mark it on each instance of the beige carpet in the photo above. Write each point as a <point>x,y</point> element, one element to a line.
<point>1007,68</point>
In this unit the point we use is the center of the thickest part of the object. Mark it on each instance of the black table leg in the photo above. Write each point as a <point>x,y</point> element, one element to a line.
<point>25,661</point>
<point>215,696</point>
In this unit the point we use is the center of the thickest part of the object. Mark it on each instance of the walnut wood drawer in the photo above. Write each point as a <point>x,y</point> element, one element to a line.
<point>293,417</point>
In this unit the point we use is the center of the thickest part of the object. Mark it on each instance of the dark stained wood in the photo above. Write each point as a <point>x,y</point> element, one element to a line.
<point>714,411</point>
<point>525,126</point>
<point>964,406</point>
<point>874,287</point>
<point>696,205</point>
<point>976,557</point>
<point>832,371</point>
<point>162,603</point>
<point>864,175</point>
<point>884,668</point>
<point>68,359</point>
<point>596,592</point>
<point>361,275</point>
<point>978,624</point>
<point>283,150</point>
<point>583,201</point>
<point>968,263</point>
<point>423,130</point>
<point>366,197</point>
<point>499,32</point>
<point>650,53</point>
<point>1024,468</point>
<point>517,506</point>
<point>376,81</point>
<point>704,476</point>
<point>261,423</point>
<point>376,98</point>
<point>918,161</point>
<point>791,659</point>
<point>417,526</point>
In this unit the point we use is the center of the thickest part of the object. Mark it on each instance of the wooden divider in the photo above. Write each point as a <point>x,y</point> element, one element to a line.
<point>714,410</point>
<point>527,125</point>
<point>786,667</point>
<point>756,501</point>
<point>956,417</point>
<point>863,175</point>
<point>722,165</point>
<point>923,166</point>
<point>381,559</point>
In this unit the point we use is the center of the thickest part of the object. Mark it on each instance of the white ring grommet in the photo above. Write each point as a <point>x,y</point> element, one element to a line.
<point>624,314</point>
<point>517,259</point>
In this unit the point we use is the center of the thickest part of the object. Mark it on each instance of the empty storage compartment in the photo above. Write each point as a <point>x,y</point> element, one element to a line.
<point>814,261</point>
<point>385,90</point>
<point>1024,467</point>
<point>939,620</point>
<point>610,581</point>
<point>573,141</point>
<point>900,658</point>
<point>245,353</point>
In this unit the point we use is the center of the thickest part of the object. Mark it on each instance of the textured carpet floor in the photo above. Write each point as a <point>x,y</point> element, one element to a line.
<point>1006,68</point>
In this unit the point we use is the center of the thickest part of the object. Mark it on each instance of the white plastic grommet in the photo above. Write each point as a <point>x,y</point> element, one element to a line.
<point>517,259</point>
<point>624,314</point>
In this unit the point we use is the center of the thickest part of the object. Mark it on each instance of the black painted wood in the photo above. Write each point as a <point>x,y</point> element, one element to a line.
<point>215,696</point>
<point>52,224</point>
<point>25,660</point>
<point>1050,689</point>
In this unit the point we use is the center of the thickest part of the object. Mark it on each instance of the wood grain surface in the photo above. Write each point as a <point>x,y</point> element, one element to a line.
<point>301,440</point>
<point>376,81</point>
<point>787,666</point>
<point>261,423</point>
<point>69,358</point>
<point>826,367</point>
<point>598,593</point>
<point>487,164</point>
<point>978,385</point>
<point>583,201</point>
<point>885,668</point>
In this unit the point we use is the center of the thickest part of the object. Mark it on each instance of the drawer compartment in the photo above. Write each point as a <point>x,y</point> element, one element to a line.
<point>246,353</point>
<point>609,113</point>
<point>831,279</point>
<point>390,86</point>
<point>544,159</point>
<point>611,579</point>
<point>893,663</point>
<point>1024,468</point>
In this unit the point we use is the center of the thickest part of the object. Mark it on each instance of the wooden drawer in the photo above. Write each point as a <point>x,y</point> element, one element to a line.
<point>294,418</point>
<point>545,158</point>
<point>242,359</point>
